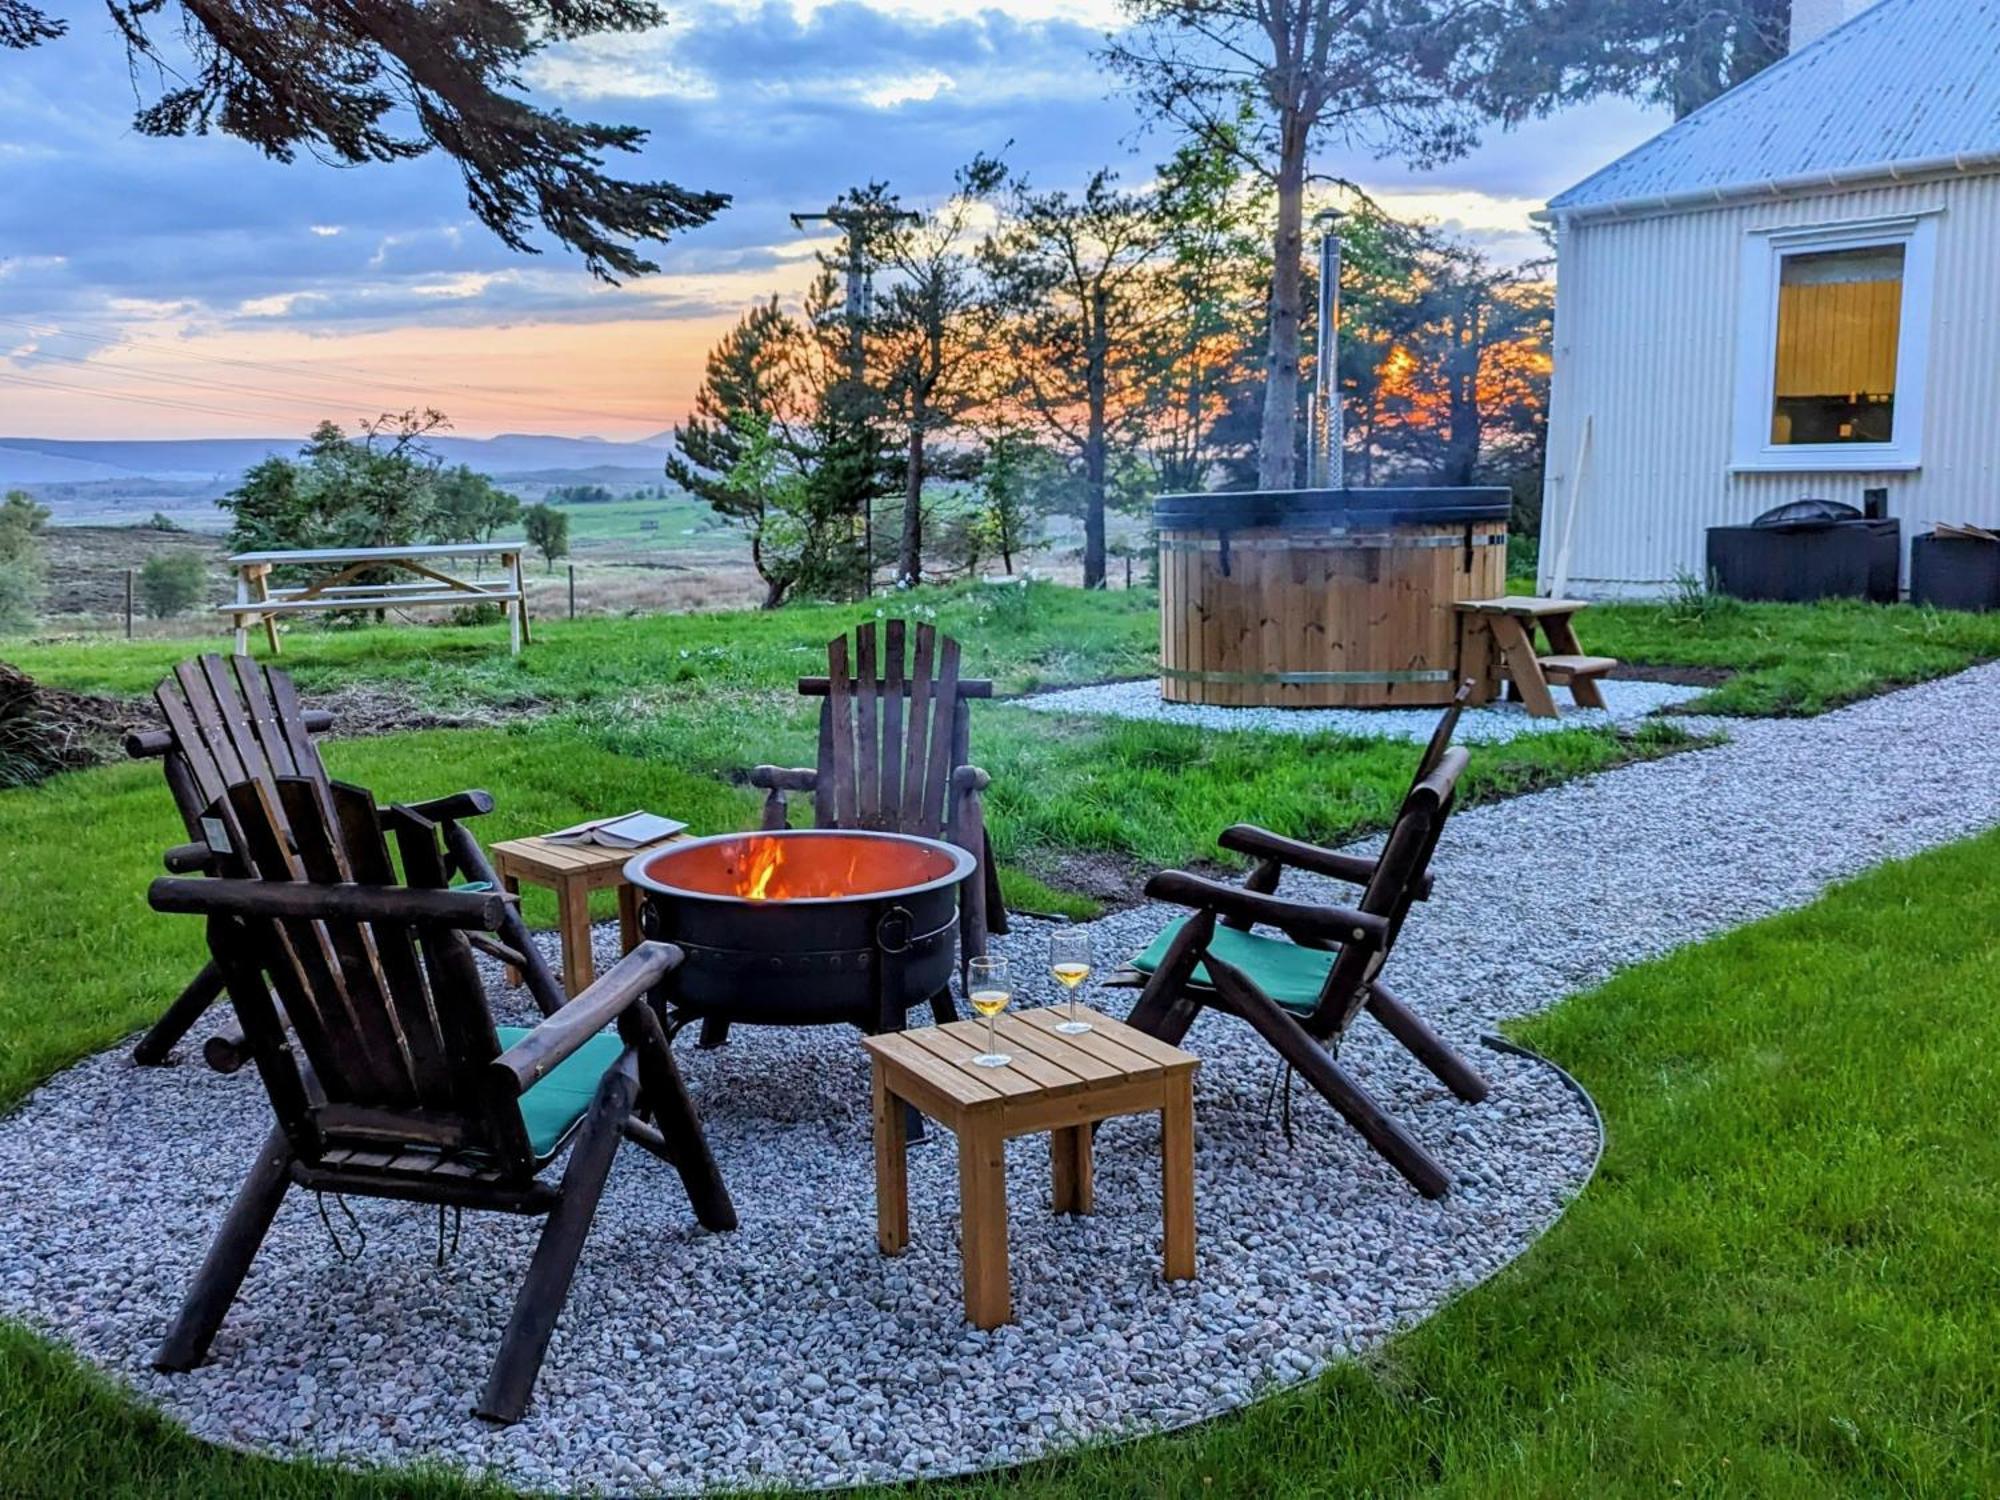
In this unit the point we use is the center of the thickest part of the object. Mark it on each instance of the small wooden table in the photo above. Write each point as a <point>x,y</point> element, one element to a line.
<point>1498,636</point>
<point>573,871</point>
<point>258,603</point>
<point>1061,1084</point>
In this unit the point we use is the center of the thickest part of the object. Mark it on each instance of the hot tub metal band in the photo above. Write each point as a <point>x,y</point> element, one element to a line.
<point>1338,541</point>
<point>1306,679</point>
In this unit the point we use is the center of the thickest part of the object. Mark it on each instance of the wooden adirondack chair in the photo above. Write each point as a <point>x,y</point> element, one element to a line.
<point>391,1080</point>
<point>237,720</point>
<point>1302,991</point>
<point>895,755</point>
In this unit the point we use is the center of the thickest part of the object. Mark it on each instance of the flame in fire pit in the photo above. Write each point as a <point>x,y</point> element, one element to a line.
<point>798,865</point>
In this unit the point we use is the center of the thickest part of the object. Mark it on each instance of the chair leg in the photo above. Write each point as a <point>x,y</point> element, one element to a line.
<point>546,1287</point>
<point>228,1260</point>
<point>1446,1063</point>
<point>202,992</point>
<point>1317,1066</point>
<point>681,1139</point>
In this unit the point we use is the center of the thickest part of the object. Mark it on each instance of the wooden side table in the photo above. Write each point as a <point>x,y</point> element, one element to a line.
<point>1060,1084</point>
<point>1498,635</point>
<point>572,871</point>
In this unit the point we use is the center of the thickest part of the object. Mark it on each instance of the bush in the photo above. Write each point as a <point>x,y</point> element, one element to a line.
<point>171,582</point>
<point>21,567</point>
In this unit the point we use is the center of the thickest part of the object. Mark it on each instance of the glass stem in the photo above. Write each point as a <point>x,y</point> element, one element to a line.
<point>991,1048</point>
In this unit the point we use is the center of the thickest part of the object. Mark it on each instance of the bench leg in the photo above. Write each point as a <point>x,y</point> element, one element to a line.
<point>982,1195</point>
<point>892,1170</point>
<point>1177,1176</point>
<point>1583,691</point>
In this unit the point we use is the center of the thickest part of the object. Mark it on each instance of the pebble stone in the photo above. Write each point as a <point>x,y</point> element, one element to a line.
<point>1626,704</point>
<point>791,1353</point>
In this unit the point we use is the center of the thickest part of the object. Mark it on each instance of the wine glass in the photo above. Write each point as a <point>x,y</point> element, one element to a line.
<point>1070,963</point>
<point>989,988</point>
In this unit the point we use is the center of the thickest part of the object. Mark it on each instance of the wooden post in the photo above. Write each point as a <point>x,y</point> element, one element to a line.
<point>572,591</point>
<point>131,578</point>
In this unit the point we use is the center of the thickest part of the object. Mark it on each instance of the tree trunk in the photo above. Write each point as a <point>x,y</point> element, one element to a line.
<point>1096,381</point>
<point>1277,466</point>
<point>910,555</point>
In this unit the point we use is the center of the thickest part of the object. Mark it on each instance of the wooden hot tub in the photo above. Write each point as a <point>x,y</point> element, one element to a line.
<point>1322,598</point>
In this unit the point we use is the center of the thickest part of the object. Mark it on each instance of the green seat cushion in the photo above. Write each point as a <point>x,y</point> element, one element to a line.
<point>552,1107</point>
<point>1292,976</point>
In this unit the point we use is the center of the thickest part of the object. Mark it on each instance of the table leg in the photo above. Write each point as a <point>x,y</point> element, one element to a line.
<point>1523,667</point>
<point>628,916</point>
<point>982,1197</point>
<point>1476,659</point>
<point>511,884</point>
<point>517,606</point>
<point>573,919</point>
<point>1177,1176</point>
<point>521,587</point>
<point>892,1170</point>
<point>261,582</point>
<point>1069,1152</point>
<point>242,630</point>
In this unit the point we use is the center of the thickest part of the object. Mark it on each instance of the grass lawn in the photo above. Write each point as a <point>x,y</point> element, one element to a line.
<point>1780,1284</point>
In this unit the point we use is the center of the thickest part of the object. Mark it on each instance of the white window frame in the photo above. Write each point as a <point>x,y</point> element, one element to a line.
<point>1764,251</point>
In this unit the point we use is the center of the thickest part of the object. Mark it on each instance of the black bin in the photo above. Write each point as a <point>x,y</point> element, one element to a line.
<point>1807,550</point>
<point>1955,572</point>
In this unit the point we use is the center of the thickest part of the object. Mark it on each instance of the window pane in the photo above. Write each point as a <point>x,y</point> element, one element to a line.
<point>1839,315</point>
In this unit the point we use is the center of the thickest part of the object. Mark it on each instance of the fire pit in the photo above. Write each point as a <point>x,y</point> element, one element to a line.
<point>803,926</point>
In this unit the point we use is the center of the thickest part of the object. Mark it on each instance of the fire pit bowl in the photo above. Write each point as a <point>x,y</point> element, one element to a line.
<point>803,926</point>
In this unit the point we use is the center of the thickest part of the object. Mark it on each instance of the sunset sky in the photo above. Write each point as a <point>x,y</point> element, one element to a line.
<point>194,288</point>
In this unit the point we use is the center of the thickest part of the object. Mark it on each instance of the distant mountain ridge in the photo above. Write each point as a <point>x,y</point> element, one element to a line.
<point>30,460</point>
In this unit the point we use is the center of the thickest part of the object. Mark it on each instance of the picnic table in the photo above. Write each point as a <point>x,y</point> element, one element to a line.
<point>258,603</point>
<point>1499,640</point>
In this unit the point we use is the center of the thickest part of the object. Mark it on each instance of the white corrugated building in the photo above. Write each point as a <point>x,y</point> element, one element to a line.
<point>1795,291</point>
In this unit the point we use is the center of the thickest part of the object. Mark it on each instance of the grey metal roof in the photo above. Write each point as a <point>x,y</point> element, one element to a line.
<point>1905,84</point>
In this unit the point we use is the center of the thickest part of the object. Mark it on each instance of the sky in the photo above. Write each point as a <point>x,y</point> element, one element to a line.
<point>163,288</point>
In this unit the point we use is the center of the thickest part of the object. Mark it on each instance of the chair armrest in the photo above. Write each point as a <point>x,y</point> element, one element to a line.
<point>451,809</point>
<point>529,1060</point>
<point>1334,924</point>
<point>970,779</point>
<point>189,859</point>
<point>1245,838</point>
<point>784,778</point>
<point>299,902</point>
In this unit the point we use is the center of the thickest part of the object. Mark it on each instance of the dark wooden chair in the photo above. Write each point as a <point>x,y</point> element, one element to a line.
<point>1303,990</point>
<point>235,720</point>
<point>391,1080</point>
<point>895,755</point>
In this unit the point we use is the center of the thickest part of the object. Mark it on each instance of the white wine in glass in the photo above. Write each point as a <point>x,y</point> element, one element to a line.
<point>1070,963</point>
<point>988,988</point>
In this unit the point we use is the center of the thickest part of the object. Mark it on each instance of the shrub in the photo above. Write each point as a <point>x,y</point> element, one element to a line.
<point>171,582</point>
<point>21,567</point>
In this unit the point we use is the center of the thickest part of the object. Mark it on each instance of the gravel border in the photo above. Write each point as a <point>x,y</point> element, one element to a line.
<point>1626,705</point>
<point>791,1353</point>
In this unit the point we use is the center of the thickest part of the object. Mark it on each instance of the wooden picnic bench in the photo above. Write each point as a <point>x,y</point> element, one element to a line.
<point>257,603</point>
<point>1498,639</point>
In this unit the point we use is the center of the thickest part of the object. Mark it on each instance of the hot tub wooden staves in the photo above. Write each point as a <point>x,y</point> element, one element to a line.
<point>1323,598</point>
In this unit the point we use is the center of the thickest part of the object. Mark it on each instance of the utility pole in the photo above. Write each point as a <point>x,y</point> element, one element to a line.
<point>860,222</point>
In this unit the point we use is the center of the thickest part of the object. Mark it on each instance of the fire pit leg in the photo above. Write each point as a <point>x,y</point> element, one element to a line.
<point>714,1032</point>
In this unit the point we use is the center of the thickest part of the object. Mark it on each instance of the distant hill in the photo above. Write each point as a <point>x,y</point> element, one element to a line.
<point>32,461</point>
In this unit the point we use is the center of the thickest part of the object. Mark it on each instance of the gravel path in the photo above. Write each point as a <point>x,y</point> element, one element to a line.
<point>1626,703</point>
<point>790,1351</point>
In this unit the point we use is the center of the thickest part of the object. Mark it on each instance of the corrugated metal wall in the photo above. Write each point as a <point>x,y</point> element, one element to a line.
<point>1646,347</point>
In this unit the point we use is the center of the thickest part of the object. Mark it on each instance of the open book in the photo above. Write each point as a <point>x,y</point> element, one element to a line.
<point>631,830</point>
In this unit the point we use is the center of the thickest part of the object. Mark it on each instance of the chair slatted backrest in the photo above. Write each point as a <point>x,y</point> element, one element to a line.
<point>889,739</point>
<point>1390,892</point>
<point>389,1017</point>
<point>232,721</point>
